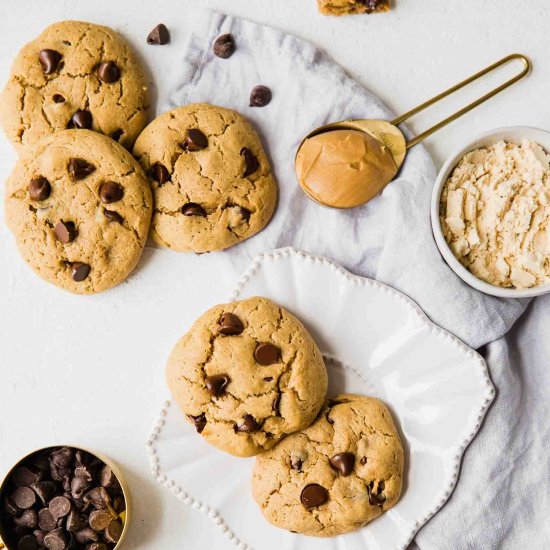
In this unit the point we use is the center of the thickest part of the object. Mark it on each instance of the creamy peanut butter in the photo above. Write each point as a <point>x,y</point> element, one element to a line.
<point>344,168</point>
<point>495,214</point>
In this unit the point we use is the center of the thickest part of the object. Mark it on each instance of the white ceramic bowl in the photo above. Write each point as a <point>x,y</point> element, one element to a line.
<point>513,134</point>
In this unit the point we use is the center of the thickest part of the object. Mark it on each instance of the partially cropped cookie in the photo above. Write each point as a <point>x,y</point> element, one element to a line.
<point>348,7</point>
<point>211,178</point>
<point>79,206</point>
<point>75,75</point>
<point>335,476</point>
<point>247,374</point>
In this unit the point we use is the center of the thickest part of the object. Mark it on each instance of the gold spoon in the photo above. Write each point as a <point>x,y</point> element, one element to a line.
<point>345,164</point>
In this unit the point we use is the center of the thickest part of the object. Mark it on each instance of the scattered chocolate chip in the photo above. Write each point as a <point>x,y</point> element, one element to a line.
<point>266,354</point>
<point>224,46</point>
<point>159,36</point>
<point>86,535</point>
<point>343,463</point>
<point>46,520</point>
<point>27,542</point>
<point>59,507</point>
<point>108,72</point>
<point>81,120</point>
<point>376,498</point>
<point>45,490</point>
<point>216,384</point>
<point>296,464</point>
<point>80,169</point>
<point>160,173</point>
<point>363,460</point>
<point>58,98</point>
<point>116,134</point>
<point>23,498</point>
<point>65,231</point>
<point>193,209</point>
<point>99,520</point>
<point>76,521</point>
<point>200,422</point>
<point>195,140</point>
<point>98,497</point>
<point>49,59</point>
<point>39,189</point>
<point>313,495</point>
<point>230,325</point>
<point>79,271</point>
<point>113,532</point>
<point>110,192</point>
<point>23,476</point>
<point>113,216</point>
<point>248,425</point>
<point>28,519</point>
<point>57,540</point>
<point>251,162</point>
<point>260,96</point>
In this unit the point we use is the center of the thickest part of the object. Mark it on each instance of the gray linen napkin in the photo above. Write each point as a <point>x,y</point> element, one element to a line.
<point>505,475</point>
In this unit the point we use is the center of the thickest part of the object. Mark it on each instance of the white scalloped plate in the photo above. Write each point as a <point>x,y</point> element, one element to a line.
<point>376,341</point>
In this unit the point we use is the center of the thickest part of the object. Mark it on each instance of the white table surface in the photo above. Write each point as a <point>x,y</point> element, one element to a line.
<point>89,371</point>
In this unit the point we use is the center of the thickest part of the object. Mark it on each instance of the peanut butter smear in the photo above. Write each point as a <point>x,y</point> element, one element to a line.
<point>495,214</point>
<point>344,168</point>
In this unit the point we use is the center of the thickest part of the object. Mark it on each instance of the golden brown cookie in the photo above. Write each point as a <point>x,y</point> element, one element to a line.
<point>79,206</point>
<point>348,7</point>
<point>211,178</point>
<point>335,476</point>
<point>75,75</point>
<point>247,374</point>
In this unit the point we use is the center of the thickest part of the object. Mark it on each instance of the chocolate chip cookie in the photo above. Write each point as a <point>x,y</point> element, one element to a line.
<point>335,476</point>
<point>347,7</point>
<point>75,75</point>
<point>211,179</point>
<point>247,374</point>
<point>79,206</point>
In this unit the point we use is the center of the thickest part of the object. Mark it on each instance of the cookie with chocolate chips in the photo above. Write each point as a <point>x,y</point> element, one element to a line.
<point>336,475</point>
<point>246,375</point>
<point>210,176</point>
<point>79,206</point>
<point>75,75</point>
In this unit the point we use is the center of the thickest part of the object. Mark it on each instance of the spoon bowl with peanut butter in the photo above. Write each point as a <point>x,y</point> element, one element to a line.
<point>346,164</point>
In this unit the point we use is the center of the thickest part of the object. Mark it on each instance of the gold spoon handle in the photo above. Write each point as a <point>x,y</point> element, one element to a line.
<point>526,68</point>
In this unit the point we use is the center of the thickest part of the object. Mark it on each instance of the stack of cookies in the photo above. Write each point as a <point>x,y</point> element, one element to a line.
<point>252,381</point>
<point>79,204</point>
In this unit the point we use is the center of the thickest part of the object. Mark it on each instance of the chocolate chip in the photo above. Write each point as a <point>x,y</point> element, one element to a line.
<point>86,535</point>
<point>27,542</point>
<point>96,546</point>
<point>46,520</point>
<point>160,173</point>
<point>296,464</point>
<point>113,216</point>
<point>59,507</point>
<point>44,490</point>
<point>159,36</point>
<point>193,209</point>
<point>108,72</point>
<point>39,189</point>
<point>216,384</point>
<point>313,495</point>
<point>76,521</point>
<point>248,425</point>
<point>116,134</point>
<point>343,463</point>
<point>245,213</point>
<point>376,498</point>
<point>79,271</point>
<point>81,120</point>
<point>79,486</point>
<point>23,498</point>
<point>107,478</point>
<point>39,535</point>
<point>28,519</point>
<point>195,140</point>
<point>250,160</point>
<point>62,456</point>
<point>260,96</point>
<point>57,540</point>
<point>200,422</point>
<point>98,497</point>
<point>268,379</point>
<point>10,508</point>
<point>58,98</point>
<point>65,231</point>
<point>275,407</point>
<point>99,520</point>
<point>49,59</point>
<point>230,325</point>
<point>23,476</point>
<point>80,169</point>
<point>110,192</point>
<point>266,354</point>
<point>224,46</point>
<point>363,460</point>
<point>113,532</point>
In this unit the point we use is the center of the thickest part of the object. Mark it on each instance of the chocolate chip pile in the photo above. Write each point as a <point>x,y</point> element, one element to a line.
<point>62,499</point>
